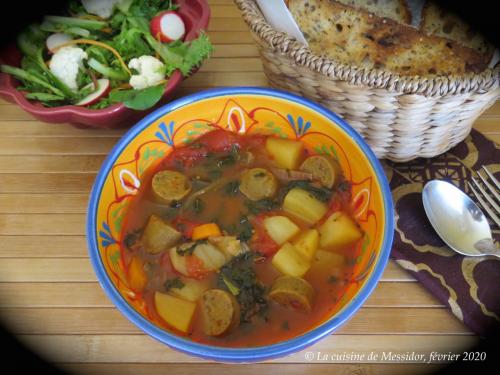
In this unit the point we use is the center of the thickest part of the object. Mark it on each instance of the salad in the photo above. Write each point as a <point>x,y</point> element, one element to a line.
<point>104,52</point>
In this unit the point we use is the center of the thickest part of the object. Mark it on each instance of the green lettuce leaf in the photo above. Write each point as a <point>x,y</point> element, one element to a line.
<point>138,99</point>
<point>183,56</point>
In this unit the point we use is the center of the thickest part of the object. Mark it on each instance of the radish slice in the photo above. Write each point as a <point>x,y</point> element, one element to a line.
<point>103,87</point>
<point>56,40</point>
<point>168,25</point>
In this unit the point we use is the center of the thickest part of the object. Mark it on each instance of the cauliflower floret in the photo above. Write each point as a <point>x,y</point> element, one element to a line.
<point>151,72</point>
<point>65,64</point>
<point>101,8</point>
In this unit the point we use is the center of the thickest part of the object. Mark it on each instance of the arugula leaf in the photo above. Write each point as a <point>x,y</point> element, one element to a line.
<point>138,99</point>
<point>256,207</point>
<point>244,230</point>
<point>239,278</point>
<point>29,43</point>
<point>321,193</point>
<point>188,248</point>
<point>176,283</point>
<point>130,42</point>
<point>149,8</point>
<point>131,238</point>
<point>103,103</point>
<point>198,50</point>
<point>102,55</point>
<point>182,55</point>
<point>232,188</point>
<point>75,7</point>
<point>83,78</point>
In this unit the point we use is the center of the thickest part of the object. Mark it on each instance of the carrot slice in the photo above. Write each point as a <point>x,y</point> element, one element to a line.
<point>136,275</point>
<point>206,230</point>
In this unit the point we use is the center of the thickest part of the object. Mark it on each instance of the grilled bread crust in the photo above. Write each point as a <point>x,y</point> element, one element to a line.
<point>357,37</point>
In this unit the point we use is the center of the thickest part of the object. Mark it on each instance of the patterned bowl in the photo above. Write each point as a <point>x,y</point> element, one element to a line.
<point>243,110</point>
<point>195,13</point>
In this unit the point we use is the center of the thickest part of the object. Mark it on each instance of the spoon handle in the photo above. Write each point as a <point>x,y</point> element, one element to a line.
<point>487,247</point>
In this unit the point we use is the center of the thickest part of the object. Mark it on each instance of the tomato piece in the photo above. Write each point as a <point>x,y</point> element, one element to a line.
<point>185,156</point>
<point>264,245</point>
<point>256,141</point>
<point>340,201</point>
<point>219,140</point>
<point>195,267</point>
<point>261,241</point>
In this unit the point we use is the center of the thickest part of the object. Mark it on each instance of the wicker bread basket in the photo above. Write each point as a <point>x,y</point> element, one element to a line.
<point>401,118</point>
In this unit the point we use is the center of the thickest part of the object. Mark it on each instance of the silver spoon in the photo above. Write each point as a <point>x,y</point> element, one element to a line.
<point>458,220</point>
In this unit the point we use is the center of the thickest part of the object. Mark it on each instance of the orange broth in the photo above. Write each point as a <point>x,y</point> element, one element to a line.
<point>278,323</point>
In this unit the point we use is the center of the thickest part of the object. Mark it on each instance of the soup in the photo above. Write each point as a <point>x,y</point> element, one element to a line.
<point>241,240</point>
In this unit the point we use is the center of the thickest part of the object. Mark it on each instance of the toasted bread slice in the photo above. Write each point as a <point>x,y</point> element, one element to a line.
<point>356,37</point>
<point>396,10</point>
<point>440,22</point>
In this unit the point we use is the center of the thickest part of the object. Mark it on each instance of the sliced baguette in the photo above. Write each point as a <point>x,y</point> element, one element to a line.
<point>438,21</point>
<point>356,37</point>
<point>396,10</point>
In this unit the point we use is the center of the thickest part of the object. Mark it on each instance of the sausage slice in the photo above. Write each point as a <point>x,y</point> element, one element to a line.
<point>258,183</point>
<point>293,292</point>
<point>220,312</point>
<point>323,168</point>
<point>170,186</point>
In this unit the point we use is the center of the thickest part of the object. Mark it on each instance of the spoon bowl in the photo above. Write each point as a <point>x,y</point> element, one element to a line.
<point>457,219</point>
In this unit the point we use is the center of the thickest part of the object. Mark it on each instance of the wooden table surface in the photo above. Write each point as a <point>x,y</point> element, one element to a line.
<point>49,295</point>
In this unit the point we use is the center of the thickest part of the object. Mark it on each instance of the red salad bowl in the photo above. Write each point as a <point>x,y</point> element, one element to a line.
<point>196,15</point>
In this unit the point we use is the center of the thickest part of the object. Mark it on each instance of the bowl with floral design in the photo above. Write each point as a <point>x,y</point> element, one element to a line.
<point>250,111</point>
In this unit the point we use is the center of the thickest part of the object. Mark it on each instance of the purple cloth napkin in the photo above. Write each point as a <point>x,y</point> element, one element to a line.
<point>468,286</point>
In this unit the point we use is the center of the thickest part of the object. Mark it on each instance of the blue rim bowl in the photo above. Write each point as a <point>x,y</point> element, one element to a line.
<point>254,354</point>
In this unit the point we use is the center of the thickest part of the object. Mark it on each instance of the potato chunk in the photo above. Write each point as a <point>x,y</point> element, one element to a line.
<point>208,255</point>
<point>220,312</point>
<point>191,290</point>
<point>170,186</point>
<point>212,258</point>
<point>293,292</point>
<point>158,235</point>
<point>338,230</point>
<point>175,311</point>
<point>285,152</point>
<point>304,206</point>
<point>280,228</point>
<point>258,183</point>
<point>179,262</point>
<point>307,243</point>
<point>229,245</point>
<point>323,168</point>
<point>289,262</point>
